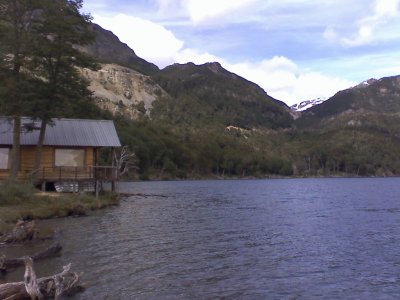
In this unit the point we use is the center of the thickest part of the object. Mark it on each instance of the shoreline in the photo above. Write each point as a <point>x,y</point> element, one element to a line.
<point>156,179</point>
<point>22,202</point>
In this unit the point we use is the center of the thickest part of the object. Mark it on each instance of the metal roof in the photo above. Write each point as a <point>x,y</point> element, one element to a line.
<point>63,132</point>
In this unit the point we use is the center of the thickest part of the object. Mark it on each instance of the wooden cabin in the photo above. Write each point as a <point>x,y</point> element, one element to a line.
<point>70,152</point>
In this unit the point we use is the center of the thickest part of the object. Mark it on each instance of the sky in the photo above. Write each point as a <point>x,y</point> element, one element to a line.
<point>294,49</point>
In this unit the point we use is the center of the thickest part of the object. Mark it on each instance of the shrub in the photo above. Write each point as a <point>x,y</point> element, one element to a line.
<point>12,193</point>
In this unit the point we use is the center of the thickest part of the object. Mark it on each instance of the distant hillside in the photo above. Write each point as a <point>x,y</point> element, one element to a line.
<point>209,93</point>
<point>179,94</point>
<point>356,131</point>
<point>202,121</point>
<point>380,96</point>
<point>107,48</point>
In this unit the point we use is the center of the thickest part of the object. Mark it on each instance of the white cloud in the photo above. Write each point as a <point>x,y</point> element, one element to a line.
<point>149,40</point>
<point>382,11</point>
<point>284,80</point>
<point>194,56</point>
<point>279,76</point>
<point>386,8</point>
<point>364,36</point>
<point>201,11</point>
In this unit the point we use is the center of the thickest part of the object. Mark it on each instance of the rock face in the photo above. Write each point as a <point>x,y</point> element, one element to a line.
<point>123,90</point>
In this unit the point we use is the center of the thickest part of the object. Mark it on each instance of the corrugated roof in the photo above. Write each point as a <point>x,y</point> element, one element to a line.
<point>64,132</point>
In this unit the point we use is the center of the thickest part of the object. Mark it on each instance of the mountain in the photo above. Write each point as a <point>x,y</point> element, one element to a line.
<point>209,93</point>
<point>131,86</point>
<point>382,96</point>
<point>107,48</point>
<point>371,99</point>
<point>199,121</point>
<point>356,131</point>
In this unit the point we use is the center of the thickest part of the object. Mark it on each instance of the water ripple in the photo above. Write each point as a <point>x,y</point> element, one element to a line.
<point>276,239</point>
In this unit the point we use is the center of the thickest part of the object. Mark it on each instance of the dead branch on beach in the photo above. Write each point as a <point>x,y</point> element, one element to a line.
<point>56,286</point>
<point>22,232</point>
<point>9,263</point>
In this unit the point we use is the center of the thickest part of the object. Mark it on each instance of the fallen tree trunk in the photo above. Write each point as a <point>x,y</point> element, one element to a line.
<point>56,286</point>
<point>8,263</point>
<point>22,232</point>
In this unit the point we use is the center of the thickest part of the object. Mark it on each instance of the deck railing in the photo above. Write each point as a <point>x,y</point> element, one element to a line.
<point>105,173</point>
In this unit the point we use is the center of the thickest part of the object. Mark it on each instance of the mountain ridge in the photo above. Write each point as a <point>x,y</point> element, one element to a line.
<point>378,95</point>
<point>228,98</point>
<point>107,48</point>
<point>225,95</point>
<point>202,120</point>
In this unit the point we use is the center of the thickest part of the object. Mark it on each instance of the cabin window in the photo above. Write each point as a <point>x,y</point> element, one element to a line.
<point>4,156</point>
<point>69,157</point>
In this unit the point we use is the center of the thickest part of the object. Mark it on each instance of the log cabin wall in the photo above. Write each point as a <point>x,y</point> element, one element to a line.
<point>4,174</point>
<point>28,160</point>
<point>89,156</point>
<point>48,160</point>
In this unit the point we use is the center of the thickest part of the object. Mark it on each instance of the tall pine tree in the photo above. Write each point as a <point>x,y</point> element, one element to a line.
<point>56,60</point>
<point>17,23</point>
<point>38,64</point>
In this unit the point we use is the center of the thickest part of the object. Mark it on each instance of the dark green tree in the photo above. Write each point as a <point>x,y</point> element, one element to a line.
<point>17,22</point>
<point>56,60</point>
<point>39,64</point>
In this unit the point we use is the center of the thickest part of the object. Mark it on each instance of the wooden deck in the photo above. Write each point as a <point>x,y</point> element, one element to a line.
<point>101,173</point>
<point>73,179</point>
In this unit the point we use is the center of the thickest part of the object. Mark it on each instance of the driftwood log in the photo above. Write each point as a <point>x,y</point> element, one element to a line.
<point>9,263</point>
<point>55,287</point>
<point>22,232</point>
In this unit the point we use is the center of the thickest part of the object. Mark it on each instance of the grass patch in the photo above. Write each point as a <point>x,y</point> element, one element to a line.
<point>22,201</point>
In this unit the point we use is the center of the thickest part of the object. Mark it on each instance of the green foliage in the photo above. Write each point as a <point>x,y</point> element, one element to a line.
<point>209,93</point>
<point>167,151</point>
<point>16,27</point>
<point>55,58</point>
<point>12,193</point>
<point>38,59</point>
<point>22,201</point>
<point>38,64</point>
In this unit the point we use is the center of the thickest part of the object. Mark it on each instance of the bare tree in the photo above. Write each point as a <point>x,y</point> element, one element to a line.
<point>124,160</point>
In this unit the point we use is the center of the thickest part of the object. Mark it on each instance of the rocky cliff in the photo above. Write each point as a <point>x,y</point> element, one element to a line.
<point>123,90</point>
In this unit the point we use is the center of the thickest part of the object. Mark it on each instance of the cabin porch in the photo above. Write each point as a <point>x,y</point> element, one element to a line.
<point>75,179</point>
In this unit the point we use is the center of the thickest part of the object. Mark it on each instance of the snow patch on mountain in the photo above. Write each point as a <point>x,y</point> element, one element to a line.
<point>306,104</point>
<point>366,83</point>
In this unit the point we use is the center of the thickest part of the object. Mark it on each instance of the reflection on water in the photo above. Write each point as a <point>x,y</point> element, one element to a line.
<point>261,239</point>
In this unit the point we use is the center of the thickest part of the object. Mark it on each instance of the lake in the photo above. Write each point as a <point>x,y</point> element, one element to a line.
<point>239,239</point>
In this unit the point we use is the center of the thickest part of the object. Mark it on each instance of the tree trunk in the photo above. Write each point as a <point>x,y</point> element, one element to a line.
<point>38,152</point>
<point>16,149</point>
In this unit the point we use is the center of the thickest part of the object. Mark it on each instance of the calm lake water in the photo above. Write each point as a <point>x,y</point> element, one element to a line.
<point>247,239</point>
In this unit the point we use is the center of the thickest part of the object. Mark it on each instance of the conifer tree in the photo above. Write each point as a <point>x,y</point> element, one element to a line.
<point>17,18</point>
<point>56,60</point>
<point>38,64</point>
